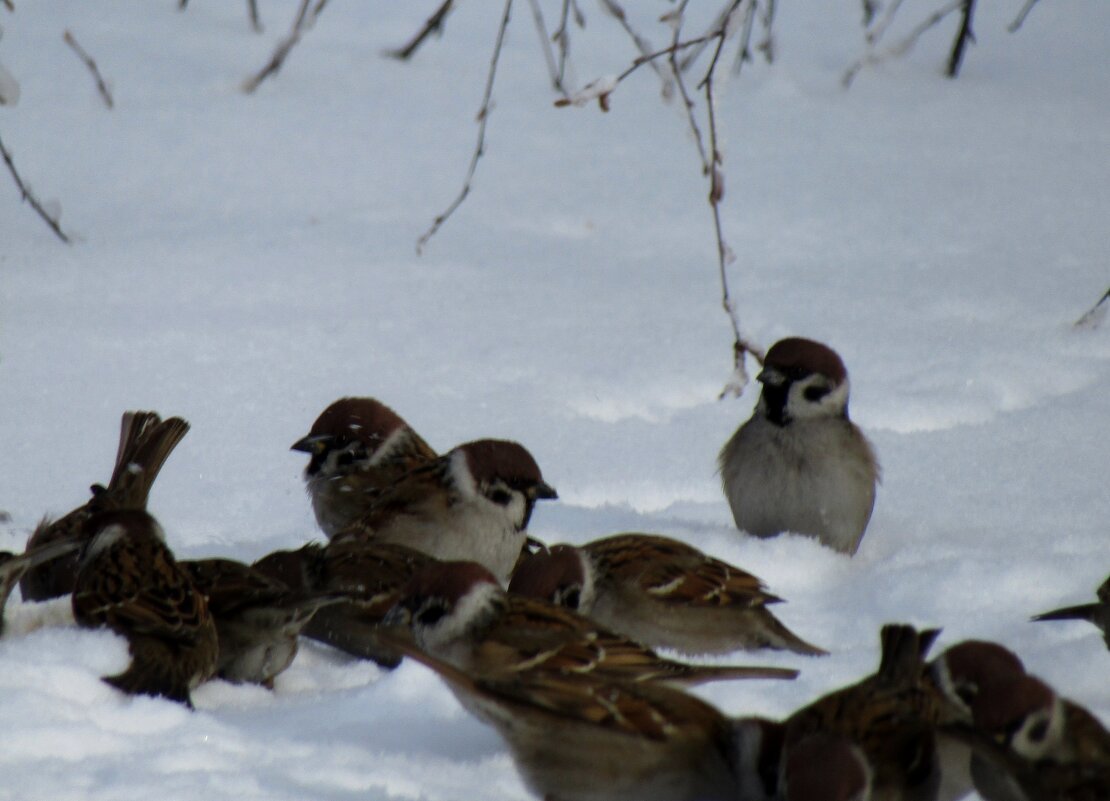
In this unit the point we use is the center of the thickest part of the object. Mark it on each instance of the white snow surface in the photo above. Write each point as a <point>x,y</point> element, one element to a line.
<point>242,261</point>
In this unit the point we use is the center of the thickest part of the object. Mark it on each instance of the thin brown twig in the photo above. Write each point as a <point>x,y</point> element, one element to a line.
<point>480,146</point>
<point>743,47</point>
<point>677,16</point>
<point>101,86</point>
<point>545,46</point>
<point>1095,316</point>
<point>252,13</point>
<point>643,45</point>
<point>963,36</point>
<point>27,195</point>
<point>1019,20</point>
<point>562,36</point>
<point>687,61</point>
<point>903,46</point>
<point>8,4</point>
<point>434,24</point>
<point>273,66</point>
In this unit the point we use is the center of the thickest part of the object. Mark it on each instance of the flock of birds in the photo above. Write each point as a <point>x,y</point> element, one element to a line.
<point>428,557</point>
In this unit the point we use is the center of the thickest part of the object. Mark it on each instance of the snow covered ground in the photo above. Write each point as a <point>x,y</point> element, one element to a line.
<point>243,261</point>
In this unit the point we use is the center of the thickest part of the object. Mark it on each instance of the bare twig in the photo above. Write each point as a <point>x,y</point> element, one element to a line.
<point>963,36</point>
<point>743,48</point>
<point>692,55</point>
<point>545,45</point>
<point>101,86</point>
<point>252,13</point>
<point>9,5</point>
<point>1095,316</point>
<point>876,32</point>
<point>434,24</point>
<point>1019,20</point>
<point>27,195</point>
<point>480,146</point>
<point>902,47</point>
<point>303,21</point>
<point>676,18</point>
<point>643,45</point>
<point>561,37</point>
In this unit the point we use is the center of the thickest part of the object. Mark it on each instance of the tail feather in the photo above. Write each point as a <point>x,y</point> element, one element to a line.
<point>338,627</point>
<point>146,441</point>
<point>904,649</point>
<point>698,674</point>
<point>784,639</point>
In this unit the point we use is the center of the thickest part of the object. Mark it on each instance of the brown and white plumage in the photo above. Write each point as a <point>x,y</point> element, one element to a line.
<point>368,575</point>
<point>457,612</point>
<point>799,463</point>
<point>472,503</point>
<point>258,618</point>
<point>660,592</point>
<point>145,443</point>
<point>889,716</point>
<point>130,582</point>
<point>357,446</point>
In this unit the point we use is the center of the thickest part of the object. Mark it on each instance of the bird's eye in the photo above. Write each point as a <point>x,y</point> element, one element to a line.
<point>430,615</point>
<point>501,497</point>
<point>816,392</point>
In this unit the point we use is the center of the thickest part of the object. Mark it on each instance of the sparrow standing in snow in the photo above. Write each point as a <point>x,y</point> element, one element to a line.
<point>357,446</point>
<point>473,503</point>
<point>589,737</point>
<point>1097,613</point>
<point>145,443</point>
<point>368,575</point>
<point>257,618</point>
<point>130,582</point>
<point>457,612</point>
<point>659,592</point>
<point>799,464</point>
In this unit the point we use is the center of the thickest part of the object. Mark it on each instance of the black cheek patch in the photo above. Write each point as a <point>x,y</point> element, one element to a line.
<point>815,393</point>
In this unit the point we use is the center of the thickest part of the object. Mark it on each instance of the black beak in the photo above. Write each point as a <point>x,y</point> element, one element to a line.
<point>313,444</point>
<point>545,492</point>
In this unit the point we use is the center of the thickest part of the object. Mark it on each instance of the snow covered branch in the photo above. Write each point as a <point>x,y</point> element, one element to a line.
<point>25,191</point>
<point>101,85</point>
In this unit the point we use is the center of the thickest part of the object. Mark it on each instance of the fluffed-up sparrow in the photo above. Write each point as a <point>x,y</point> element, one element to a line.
<point>145,442</point>
<point>799,463</point>
<point>457,612</point>
<point>1097,613</point>
<point>369,575</point>
<point>473,503</point>
<point>13,566</point>
<point>659,592</point>
<point>889,716</point>
<point>587,737</point>
<point>357,446</point>
<point>130,582</point>
<point>257,618</point>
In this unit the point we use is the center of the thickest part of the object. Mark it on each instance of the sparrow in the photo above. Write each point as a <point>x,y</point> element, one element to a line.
<point>826,767</point>
<point>257,618</point>
<point>799,463</point>
<point>368,576</point>
<point>659,592</point>
<point>457,612</point>
<point>357,446</point>
<point>145,443</point>
<point>1033,745</point>
<point>129,581</point>
<point>590,737</point>
<point>13,566</point>
<point>472,503</point>
<point>1097,613</point>
<point>889,716</point>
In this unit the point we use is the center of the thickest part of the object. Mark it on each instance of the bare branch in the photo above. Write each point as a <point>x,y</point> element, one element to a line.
<point>101,86</point>
<point>767,44</point>
<point>677,18</point>
<point>562,37</point>
<point>743,49</point>
<point>902,47</point>
<point>1019,20</point>
<point>480,146</point>
<point>643,45</point>
<point>252,13</point>
<point>691,56</point>
<point>301,23</point>
<point>9,5</point>
<point>434,24</point>
<point>963,36</point>
<point>545,45</point>
<point>27,195</point>
<point>1096,315</point>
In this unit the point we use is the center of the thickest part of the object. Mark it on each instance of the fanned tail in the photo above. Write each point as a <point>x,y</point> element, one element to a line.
<point>146,441</point>
<point>904,651</point>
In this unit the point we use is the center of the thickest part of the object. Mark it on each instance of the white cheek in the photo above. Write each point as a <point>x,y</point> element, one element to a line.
<point>461,475</point>
<point>453,628</point>
<point>1035,749</point>
<point>516,508</point>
